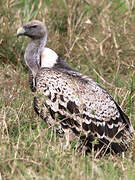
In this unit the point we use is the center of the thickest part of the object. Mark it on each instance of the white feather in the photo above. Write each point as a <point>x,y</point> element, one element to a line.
<point>48,58</point>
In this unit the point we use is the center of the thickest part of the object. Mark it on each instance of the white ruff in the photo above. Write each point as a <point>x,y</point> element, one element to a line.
<point>48,58</point>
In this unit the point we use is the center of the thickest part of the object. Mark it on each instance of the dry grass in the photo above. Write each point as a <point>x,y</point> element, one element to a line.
<point>97,38</point>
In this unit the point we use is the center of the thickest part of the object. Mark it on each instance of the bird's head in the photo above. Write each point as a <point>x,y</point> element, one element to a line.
<point>34,29</point>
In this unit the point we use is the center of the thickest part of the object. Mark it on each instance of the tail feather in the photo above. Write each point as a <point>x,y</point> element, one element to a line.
<point>126,121</point>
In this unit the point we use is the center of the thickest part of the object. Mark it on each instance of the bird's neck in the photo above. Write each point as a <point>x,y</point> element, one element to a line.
<point>33,52</point>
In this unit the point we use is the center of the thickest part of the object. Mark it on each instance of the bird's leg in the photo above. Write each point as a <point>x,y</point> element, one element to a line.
<point>31,80</point>
<point>36,105</point>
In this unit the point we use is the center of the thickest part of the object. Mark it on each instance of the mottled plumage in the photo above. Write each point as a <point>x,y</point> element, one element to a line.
<point>74,102</point>
<point>78,103</point>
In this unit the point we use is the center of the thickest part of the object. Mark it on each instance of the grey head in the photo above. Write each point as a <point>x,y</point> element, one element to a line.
<point>36,31</point>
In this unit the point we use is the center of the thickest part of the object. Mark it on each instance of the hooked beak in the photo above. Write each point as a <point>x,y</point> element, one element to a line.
<point>20,31</point>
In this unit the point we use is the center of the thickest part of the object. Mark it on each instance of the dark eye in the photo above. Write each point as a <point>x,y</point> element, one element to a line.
<point>33,26</point>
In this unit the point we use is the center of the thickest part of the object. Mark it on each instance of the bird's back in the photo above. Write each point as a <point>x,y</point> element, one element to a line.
<point>82,105</point>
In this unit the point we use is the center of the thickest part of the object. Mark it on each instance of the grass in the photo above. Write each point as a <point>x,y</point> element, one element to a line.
<point>96,38</point>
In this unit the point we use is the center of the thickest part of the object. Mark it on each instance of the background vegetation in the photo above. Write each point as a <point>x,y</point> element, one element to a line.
<point>97,38</point>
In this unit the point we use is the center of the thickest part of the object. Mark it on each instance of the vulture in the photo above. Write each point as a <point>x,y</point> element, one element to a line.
<point>71,101</point>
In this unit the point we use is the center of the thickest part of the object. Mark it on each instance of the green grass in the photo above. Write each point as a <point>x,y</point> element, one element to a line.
<point>103,48</point>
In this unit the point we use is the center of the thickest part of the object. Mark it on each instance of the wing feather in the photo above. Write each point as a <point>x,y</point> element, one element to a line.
<point>80,100</point>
